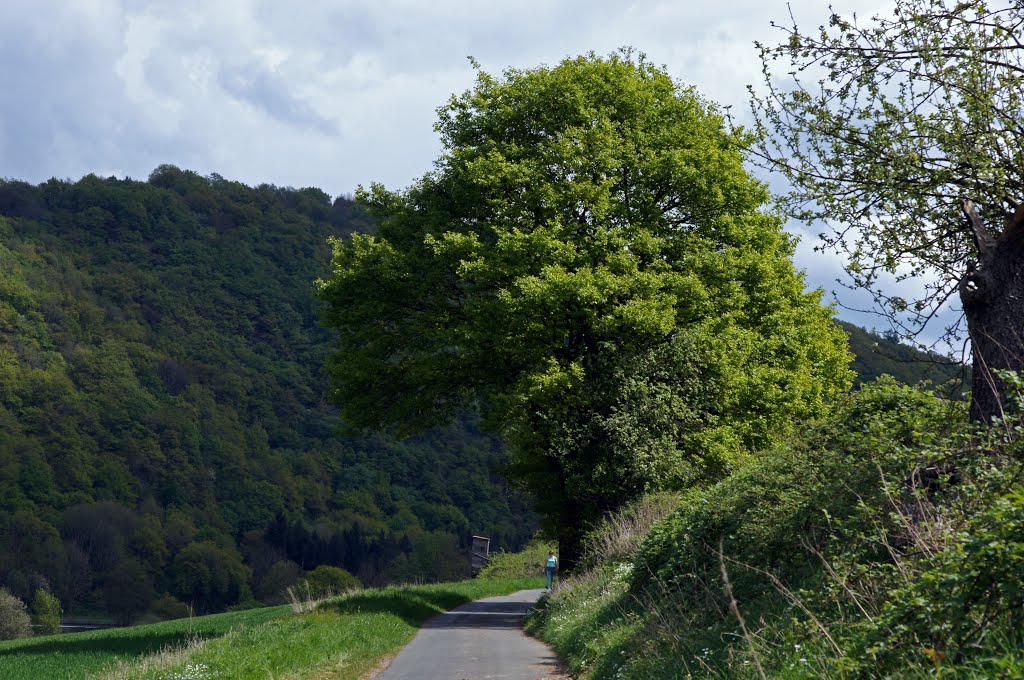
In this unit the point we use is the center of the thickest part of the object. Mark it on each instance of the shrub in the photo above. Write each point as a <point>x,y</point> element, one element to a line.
<point>14,620</point>
<point>46,613</point>
<point>970,591</point>
<point>828,487</point>
<point>168,607</point>
<point>808,542</point>
<point>327,581</point>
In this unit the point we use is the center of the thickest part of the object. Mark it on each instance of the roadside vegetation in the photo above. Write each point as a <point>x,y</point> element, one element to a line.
<point>528,562</point>
<point>885,541</point>
<point>341,637</point>
<point>883,537</point>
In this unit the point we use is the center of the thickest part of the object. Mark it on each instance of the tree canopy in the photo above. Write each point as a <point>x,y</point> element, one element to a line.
<point>903,134</point>
<point>161,386</point>
<point>589,265</point>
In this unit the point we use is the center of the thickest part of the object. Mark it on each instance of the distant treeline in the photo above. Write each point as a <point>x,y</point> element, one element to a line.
<point>163,433</point>
<point>883,354</point>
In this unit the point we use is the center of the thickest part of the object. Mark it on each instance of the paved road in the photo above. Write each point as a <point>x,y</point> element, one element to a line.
<point>477,641</point>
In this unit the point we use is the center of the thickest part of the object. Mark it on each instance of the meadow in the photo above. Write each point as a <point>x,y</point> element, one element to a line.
<point>343,637</point>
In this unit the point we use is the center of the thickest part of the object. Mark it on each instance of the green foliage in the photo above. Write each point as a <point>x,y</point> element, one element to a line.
<point>273,585</point>
<point>971,590</point>
<point>877,355</point>
<point>161,384</point>
<point>808,491</point>
<point>525,563</point>
<point>907,146</point>
<point>881,543</point>
<point>45,613</point>
<point>127,590</point>
<point>209,577</point>
<point>433,557</point>
<point>14,620</point>
<point>590,265</point>
<point>326,581</point>
<point>168,607</point>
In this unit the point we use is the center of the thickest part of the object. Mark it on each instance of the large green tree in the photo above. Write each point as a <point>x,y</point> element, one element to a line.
<point>589,266</point>
<point>903,134</point>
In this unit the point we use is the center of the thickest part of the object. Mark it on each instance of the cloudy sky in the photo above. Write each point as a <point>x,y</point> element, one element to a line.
<point>328,93</point>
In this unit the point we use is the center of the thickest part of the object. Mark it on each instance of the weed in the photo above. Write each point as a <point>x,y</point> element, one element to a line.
<point>151,665</point>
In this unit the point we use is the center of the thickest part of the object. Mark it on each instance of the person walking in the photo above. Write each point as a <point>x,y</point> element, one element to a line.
<point>552,566</point>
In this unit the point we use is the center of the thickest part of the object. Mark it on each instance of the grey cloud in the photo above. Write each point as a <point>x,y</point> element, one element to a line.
<point>56,104</point>
<point>64,112</point>
<point>269,93</point>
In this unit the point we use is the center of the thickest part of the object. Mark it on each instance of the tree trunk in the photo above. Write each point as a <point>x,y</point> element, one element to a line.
<point>570,535</point>
<point>992,292</point>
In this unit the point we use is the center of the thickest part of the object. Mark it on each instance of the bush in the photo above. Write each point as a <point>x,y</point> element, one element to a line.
<point>830,487</point>
<point>970,592</point>
<point>327,581</point>
<point>809,542</point>
<point>46,613</point>
<point>14,620</point>
<point>168,607</point>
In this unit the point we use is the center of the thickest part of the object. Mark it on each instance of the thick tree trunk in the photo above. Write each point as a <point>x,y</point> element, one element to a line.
<point>992,292</point>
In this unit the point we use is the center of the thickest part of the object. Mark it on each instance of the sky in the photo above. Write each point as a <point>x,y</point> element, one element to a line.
<point>333,93</point>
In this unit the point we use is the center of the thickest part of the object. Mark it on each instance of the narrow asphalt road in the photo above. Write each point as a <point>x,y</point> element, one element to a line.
<point>477,641</point>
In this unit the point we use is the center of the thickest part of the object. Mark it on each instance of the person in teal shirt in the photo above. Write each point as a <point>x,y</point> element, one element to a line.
<point>552,566</point>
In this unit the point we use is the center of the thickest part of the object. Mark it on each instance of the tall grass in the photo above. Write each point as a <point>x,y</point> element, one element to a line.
<point>619,535</point>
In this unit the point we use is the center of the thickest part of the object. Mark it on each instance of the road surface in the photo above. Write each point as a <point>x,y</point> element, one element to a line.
<point>480,640</point>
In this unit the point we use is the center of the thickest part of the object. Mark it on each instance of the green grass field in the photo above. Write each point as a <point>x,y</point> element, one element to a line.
<point>342,638</point>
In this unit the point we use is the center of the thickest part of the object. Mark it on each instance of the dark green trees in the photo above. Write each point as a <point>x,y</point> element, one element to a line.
<point>161,385</point>
<point>209,576</point>
<point>588,265</point>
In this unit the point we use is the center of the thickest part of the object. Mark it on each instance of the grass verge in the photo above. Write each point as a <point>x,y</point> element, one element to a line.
<point>343,638</point>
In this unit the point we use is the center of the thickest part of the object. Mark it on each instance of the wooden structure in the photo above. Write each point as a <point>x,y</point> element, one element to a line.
<point>481,552</point>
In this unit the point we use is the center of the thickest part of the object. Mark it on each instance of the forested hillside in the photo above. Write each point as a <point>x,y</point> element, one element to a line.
<point>877,355</point>
<point>163,433</point>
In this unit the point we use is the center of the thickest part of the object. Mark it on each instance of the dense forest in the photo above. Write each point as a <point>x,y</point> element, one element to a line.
<point>164,435</point>
<point>877,354</point>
